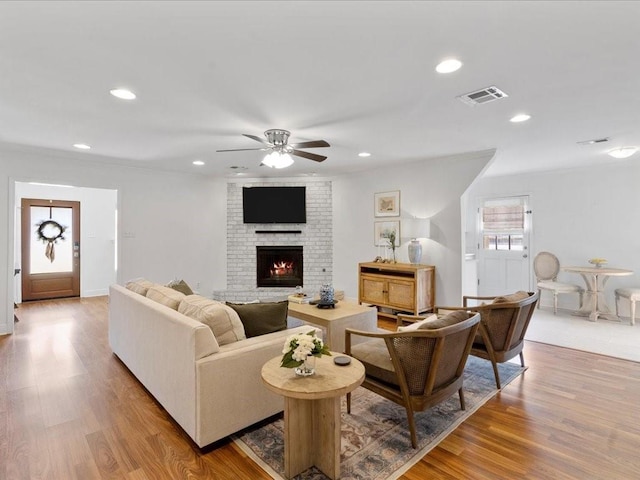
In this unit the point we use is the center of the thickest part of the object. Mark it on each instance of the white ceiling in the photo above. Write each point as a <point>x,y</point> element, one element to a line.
<point>359,75</point>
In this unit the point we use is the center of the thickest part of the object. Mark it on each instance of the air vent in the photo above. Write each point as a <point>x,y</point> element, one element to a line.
<point>591,142</point>
<point>486,95</point>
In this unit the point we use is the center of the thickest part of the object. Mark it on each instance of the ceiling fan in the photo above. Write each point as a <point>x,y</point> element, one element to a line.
<point>281,151</point>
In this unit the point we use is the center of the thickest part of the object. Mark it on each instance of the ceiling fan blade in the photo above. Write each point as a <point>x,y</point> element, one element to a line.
<point>241,149</point>
<point>311,144</point>
<point>310,156</point>
<point>257,139</point>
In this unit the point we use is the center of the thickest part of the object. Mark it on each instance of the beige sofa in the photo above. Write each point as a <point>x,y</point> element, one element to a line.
<point>210,390</point>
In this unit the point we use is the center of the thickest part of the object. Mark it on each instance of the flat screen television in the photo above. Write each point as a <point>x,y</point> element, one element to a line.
<point>274,205</point>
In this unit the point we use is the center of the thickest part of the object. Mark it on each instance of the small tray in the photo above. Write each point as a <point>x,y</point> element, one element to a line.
<point>342,361</point>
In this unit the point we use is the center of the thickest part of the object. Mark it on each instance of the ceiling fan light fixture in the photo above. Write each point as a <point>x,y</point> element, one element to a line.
<point>622,152</point>
<point>278,160</point>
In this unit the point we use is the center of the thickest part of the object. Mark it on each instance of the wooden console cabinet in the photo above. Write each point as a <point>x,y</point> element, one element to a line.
<point>401,287</point>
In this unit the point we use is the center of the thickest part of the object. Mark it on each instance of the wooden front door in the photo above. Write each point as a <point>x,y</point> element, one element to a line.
<point>50,249</point>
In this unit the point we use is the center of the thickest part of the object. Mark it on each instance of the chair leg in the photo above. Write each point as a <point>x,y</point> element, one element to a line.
<point>522,359</point>
<point>555,303</point>
<point>633,312</point>
<point>349,402</point>
<point>539,295</point>
<point>495,372</point>
<point>617,301</point>
<point>581,299</point>
<point>463,406</point>
<point>412,428</point>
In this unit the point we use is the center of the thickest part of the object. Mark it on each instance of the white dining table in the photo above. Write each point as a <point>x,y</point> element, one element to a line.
<point>595,305</point>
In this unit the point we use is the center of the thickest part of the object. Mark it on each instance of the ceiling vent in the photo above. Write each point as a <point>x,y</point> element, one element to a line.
<point>486,95</point>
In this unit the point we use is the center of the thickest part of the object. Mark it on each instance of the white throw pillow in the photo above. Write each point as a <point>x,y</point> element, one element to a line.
<point>416,325</point>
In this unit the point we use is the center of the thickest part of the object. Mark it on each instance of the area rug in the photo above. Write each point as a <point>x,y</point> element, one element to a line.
<point>375,435</point>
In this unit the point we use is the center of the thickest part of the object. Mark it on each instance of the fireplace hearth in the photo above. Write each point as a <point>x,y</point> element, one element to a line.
<point>279,266</point>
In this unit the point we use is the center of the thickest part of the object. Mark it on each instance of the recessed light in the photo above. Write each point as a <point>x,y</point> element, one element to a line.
<point>82,146</point>
<point>123,93</point>
<point>521,117</point>
<point>198,162</point>
<point>364,154</point>
<point>622,152</point>
<point>448,66</point>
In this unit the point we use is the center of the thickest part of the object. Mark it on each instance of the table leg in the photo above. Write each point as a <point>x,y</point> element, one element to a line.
<point>312,436</point>
<point>594,304</point>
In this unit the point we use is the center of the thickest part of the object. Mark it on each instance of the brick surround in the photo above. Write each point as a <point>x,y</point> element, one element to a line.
<point>316,239</point>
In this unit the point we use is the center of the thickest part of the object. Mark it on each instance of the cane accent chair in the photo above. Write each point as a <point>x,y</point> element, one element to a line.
<point>419,368</point>
<point>503,325</point>
<point>546,267</point>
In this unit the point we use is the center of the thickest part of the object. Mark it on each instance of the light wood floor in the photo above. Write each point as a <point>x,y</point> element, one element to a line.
<point>69,410</point>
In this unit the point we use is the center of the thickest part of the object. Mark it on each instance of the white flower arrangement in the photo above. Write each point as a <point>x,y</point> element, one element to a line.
<point>299,346</point>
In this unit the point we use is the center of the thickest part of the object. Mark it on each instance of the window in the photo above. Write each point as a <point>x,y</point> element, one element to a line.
<point>503,224</point>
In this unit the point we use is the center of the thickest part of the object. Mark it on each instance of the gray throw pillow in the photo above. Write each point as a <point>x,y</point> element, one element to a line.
<point>262,318</point>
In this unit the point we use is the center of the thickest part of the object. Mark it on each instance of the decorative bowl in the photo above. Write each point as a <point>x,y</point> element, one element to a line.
<point>598,262</point>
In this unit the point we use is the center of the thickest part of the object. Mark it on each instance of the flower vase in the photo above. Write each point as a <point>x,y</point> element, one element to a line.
<point>307,368</point>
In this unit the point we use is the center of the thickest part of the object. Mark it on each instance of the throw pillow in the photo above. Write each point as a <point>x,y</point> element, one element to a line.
<point>222,320</point>
<point>180,286</point>
<point>165,296</point>
<point>262,318</point>
<point>446,321</point>
<point>416,325</point>
<point>514,297</point>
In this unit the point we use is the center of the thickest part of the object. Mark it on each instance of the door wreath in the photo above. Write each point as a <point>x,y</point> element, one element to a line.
<point>50,231</point>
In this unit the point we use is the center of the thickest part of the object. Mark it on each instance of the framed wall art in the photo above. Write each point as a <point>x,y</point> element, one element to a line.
<point>387,204</point>
<point>383,230</point>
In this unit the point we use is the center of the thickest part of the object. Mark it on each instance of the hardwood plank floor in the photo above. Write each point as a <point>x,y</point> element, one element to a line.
<point>69,409</point>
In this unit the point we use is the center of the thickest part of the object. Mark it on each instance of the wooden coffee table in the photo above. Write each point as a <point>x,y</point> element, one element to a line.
<point>345,314</point>
<point>312,412</point>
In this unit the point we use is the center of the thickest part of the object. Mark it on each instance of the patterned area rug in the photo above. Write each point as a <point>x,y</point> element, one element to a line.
<point>375,436</point>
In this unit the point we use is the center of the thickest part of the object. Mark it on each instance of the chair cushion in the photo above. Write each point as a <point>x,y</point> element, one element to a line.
<point>514,297</point>
<point>376,360</point>
<point>221,319</point>
<point>262,318</point>
<point>449,319</point>
<point>559,287</point>
<point>418,324</point>
<point>165,296</point>
<point>630,293</point>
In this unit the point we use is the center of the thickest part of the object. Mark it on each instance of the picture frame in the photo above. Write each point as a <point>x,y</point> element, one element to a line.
<point>387,204</point>
<point>380,230</point>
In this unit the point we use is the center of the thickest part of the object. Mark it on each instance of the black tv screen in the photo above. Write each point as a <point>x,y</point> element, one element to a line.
<point>274,205</point>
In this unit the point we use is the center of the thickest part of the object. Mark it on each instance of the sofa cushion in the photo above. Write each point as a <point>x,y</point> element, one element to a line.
<point>446,321</point>
<point>374,355</point>
<point>180,286</point>
<point>222,320</point>
<point>261,318</point>
<point>139,285</point>
<point>165,296</point>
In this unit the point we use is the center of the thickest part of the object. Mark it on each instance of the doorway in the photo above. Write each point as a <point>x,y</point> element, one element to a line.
<point>504,232</point>
<point>50,249</point>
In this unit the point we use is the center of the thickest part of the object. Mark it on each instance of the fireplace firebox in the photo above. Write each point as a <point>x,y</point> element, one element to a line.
<point>279,266</point>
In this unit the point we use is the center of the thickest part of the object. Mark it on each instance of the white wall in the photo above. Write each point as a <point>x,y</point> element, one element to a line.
<point>579,214</point>
<point>170,225</point>
<point>97,232</point>
<point>429,188</point>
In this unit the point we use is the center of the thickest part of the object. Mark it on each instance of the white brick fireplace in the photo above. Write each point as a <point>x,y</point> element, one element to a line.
<point>315,236</point>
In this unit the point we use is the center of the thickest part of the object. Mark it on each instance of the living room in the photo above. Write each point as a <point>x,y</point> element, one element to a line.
<point>172,216</point>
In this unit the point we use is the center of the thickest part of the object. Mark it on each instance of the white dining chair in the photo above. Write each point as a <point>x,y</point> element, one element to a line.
<point>546,267</point>
<point>631,294</point>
